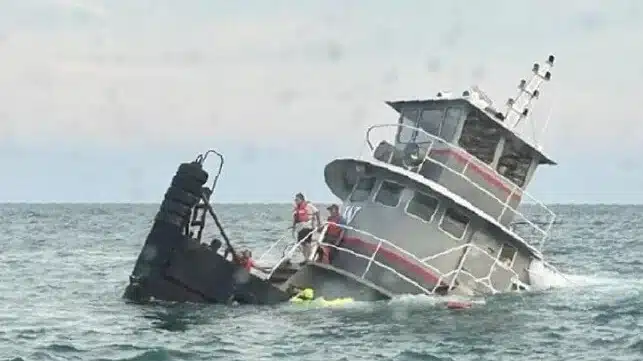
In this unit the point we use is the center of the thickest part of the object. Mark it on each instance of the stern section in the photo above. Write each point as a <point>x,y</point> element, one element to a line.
<point>173,266</point>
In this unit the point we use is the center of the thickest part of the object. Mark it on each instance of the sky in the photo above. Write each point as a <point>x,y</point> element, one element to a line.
<point>101,100</point>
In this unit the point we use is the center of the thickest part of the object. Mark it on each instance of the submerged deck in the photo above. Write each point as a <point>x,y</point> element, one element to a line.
<point>376,258</point>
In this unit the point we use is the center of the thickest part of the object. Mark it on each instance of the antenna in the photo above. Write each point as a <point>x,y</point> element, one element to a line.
<point>518,107</point>
<point>542,132</point>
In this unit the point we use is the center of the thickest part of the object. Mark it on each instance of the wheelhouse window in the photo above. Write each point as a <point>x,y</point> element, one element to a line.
<point>480,136</point>
<point>422,206</point>
<point>451,122</point>
<point>348,180</point>
<point>409,119</point>
<point>441,122</point>
<point>389,194</point>
<point>454,223</point>
<point>363,189</point>
<point>431,122</point>
<point>515,161</point>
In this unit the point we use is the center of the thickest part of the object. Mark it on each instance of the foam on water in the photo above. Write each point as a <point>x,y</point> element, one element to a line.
<point>545,277</point>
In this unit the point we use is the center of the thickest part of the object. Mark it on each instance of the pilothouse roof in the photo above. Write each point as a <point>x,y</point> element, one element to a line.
<point>517,108</point>
<point>399,105</point>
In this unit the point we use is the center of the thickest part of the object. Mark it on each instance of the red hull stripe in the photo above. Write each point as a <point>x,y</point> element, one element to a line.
<point>486,174</point>
<point>396,261</point>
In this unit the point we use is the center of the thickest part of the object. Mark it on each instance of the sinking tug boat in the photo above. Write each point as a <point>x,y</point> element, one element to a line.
<point>435,211</point>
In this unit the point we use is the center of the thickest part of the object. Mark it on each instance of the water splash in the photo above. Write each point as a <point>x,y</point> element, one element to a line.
<point>543,277</point>
<point>432,301</point>
<point>546,277</point>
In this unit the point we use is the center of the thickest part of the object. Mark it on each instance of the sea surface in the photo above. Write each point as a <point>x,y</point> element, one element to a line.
<point>63,269</point>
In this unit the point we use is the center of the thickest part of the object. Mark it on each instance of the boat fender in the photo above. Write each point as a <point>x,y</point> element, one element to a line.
<point>458,305</point>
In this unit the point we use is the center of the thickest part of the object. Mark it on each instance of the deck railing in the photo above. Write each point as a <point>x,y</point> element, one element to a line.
<point>436,142</point>
<point>454,274</point>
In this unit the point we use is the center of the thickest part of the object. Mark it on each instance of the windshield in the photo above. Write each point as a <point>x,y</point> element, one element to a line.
<point>440,122</point>
<point>409,119</point>
<point>451,122</point>
<point>431,122</point>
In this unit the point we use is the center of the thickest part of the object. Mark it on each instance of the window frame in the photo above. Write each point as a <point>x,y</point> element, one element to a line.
<point>350,189</point>
<point>458,120</point>
<point>509,143</point>
<point>482,117</point>
<point>443,112</point>
<point>466,227</point>
<point>435,211</point>
<point>513,258</point>
<point>402,127</point>
<point>370,195</point>
<point>379,188</point>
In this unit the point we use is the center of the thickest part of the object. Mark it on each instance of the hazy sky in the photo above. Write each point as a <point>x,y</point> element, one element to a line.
<point>100,100</point>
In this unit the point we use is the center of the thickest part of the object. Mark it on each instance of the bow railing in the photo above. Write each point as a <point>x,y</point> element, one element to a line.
<point>445,277</point>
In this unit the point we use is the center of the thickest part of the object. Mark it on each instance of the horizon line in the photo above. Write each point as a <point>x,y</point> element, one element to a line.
<point>2,203</point>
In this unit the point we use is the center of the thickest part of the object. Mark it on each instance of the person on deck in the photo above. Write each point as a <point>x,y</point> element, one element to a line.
<point>245,260</point>
<point>303,226</point>
<point>334,233</point>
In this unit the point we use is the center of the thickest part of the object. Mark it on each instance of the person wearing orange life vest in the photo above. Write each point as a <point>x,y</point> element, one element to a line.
<point>245,260</point>
<point>303,216</point>
<point>334,233</point>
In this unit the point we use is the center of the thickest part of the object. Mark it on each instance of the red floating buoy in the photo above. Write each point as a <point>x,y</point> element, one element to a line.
<point>458,305</point>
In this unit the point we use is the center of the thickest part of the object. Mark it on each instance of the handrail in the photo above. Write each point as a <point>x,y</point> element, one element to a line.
<point>484,281</point>
<point>380,264</point>
<point>387,242</point>
<point>201,159</point>
<point>272,246</point>
<point>458,270</point>
<point>288,254</point>
<point>471,159</point>
<point>292,249</point>
<point>424,261</point>
<point>284,238</point>
<point>441,140</point>
<point>505,204</point>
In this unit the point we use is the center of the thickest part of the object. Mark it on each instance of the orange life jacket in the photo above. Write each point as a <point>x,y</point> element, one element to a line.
<point>333,230</point>
<point>245,262</point>
<point>301,213</point>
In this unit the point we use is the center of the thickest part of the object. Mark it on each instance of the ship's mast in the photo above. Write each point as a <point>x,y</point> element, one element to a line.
<point>518,107</point>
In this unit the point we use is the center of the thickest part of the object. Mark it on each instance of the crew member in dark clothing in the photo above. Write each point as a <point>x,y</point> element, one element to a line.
<point>334,234</point>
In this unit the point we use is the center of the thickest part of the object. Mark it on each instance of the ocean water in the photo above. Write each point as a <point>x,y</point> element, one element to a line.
<point>63,269</point>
